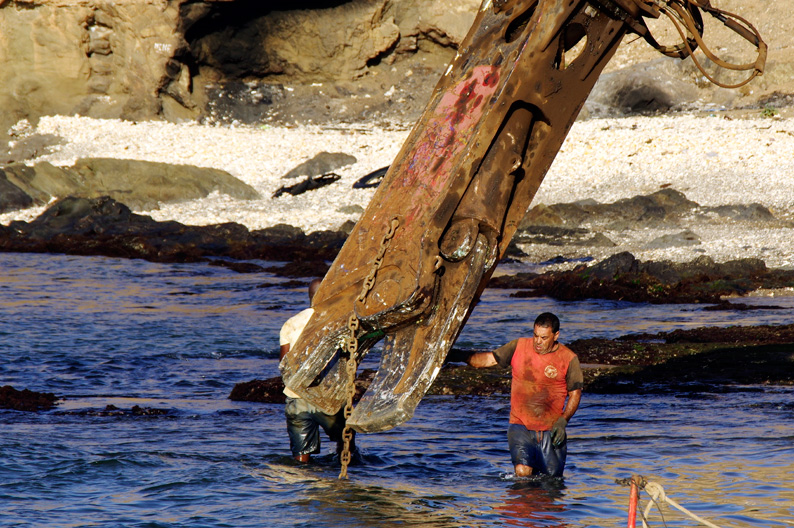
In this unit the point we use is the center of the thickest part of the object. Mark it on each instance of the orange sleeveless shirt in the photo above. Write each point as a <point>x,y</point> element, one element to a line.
<point>539,389</point>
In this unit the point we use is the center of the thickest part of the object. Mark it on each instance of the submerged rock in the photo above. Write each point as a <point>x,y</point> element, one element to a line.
<point>112,410</point>
<point>26,400</point>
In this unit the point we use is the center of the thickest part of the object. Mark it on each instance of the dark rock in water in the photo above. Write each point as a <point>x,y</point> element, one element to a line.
<point>761,334</point>
<point>705,359</point>
<point>112,410</point>
<point>103,226</point>
<point>512,282</point>
<point>137,410</point>
<point>309,184</point>
<point>322,163</point>
<point>727,306</point>
<point>302,268</point>
<point>458,380</point>
<point>270,390</point>
<point>239,267</point>
<point>140,185</point>
<point>372,179</point>
<point>715,369</point>
<point>26,400</point>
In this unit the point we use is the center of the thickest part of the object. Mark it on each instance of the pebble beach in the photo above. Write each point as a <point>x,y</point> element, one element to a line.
<point>713,159</point>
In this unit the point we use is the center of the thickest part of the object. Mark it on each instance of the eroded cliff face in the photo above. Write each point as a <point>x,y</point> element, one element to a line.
<point>99,58</point>
<point>147,59</point>
<point>301,61</point>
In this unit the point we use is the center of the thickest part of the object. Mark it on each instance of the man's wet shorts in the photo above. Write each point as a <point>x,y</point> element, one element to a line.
<point>303,426</point>
<point>534,449</point>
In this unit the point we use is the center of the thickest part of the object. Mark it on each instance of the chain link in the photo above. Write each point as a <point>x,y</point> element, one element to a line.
<point>351,346</point>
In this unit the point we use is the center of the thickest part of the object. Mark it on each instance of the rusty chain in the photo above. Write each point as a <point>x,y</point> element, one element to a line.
<point>351,345</point>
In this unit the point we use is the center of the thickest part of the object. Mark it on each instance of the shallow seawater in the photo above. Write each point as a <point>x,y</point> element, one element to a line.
<point>176,338</point>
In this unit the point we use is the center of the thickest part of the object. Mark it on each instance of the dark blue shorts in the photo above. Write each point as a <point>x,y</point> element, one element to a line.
<point>534,449</point>
<point>303,426</point>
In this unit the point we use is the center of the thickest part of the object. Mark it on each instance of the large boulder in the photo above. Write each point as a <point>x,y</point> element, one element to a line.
<point>141,185</point>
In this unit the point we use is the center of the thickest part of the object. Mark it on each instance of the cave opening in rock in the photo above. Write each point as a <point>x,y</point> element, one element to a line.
<point>226,39</point>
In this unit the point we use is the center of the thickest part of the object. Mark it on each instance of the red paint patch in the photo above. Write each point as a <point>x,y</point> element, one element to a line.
<point>427,169</point>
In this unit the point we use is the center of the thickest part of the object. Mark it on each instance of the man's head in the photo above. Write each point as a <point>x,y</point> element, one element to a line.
<point>546,332</point>
<point>314,285</point>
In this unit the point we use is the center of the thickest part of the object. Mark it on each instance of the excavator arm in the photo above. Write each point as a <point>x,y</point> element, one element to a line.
<point>417,261</point>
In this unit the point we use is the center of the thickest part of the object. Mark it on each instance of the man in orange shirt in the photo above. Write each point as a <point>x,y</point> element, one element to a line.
<point>546,373</point>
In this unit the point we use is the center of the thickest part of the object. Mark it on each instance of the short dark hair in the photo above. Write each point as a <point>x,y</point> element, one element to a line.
<point>548,320</point>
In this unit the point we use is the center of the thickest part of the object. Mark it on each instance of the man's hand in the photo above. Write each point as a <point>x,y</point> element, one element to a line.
<point>558,432</point>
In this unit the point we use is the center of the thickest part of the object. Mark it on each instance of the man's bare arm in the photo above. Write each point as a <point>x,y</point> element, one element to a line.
<point>481,360</point>
<point>574,397</point>
<point>283,351</point>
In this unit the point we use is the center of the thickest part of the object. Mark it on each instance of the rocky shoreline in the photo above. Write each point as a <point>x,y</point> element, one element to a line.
<point>102,226</point>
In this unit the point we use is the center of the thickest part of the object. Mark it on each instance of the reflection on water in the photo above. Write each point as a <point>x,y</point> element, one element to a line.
<point>534,504</point>
<point>105,332</point>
